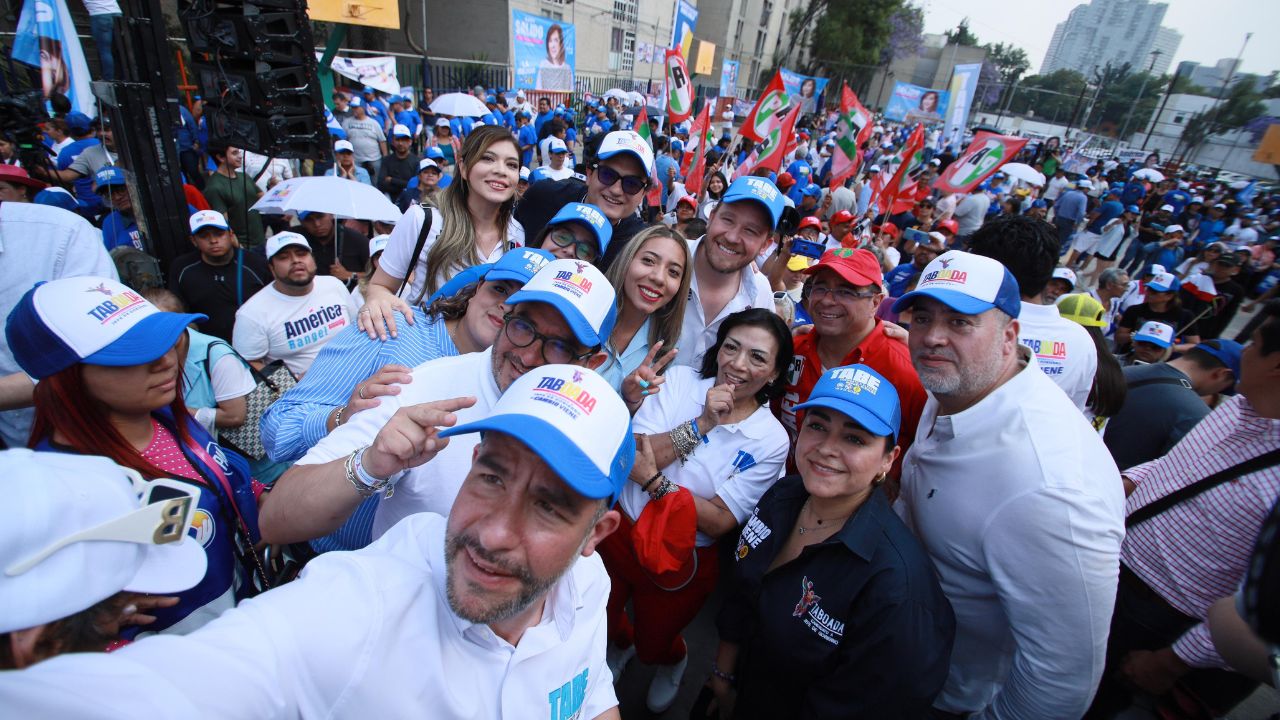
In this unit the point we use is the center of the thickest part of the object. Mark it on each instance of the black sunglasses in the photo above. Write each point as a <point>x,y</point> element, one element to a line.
<point>631,184</point>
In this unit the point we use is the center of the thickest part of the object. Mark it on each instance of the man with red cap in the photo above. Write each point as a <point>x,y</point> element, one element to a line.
<point>786,183</point>
<point>841,225</point>
<point>846,290</point>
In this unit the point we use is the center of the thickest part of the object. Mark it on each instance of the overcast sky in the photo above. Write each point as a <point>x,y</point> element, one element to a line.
<point>1210,30</point>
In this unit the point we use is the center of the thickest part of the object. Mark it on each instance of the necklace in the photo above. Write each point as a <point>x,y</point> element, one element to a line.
<point>820,524</point>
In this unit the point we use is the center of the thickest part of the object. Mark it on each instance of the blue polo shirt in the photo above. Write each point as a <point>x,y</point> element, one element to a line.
<point>1107,211</point>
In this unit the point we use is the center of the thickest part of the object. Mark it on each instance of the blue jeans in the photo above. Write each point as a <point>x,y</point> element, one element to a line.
<point>102,28</point>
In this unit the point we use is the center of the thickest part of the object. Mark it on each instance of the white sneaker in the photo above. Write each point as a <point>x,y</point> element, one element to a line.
<point>666,685</point>
<point>617,658</point>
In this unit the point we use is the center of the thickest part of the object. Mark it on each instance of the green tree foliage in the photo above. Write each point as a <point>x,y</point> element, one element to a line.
<point>1052,97</point>
<point>962,35</point>
<point>1242,104</point>
<point>846,37</point>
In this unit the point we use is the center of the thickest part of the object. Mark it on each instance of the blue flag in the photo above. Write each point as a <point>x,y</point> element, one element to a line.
<point>46,39</point>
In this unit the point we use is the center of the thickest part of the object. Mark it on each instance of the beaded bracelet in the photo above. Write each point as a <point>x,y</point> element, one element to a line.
<point>665,488</point>
<point>645,487</point>
<point>731,679</point>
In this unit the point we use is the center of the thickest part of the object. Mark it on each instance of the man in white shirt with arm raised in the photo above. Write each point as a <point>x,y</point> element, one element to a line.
<point>497,611</point>
<point>1014,496</point>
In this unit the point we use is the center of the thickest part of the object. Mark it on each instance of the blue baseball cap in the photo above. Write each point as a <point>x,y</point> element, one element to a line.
<point>434,153</point>
<point>1156,333</point>
<point>588,216</point>
<point>1228,352</point>
<point>367,90</point>
<point>57,197</point>
<point>78,121</point>
<point>571,418</point>
<point>92,320</point>
<point>758,190</point>
<point>967,283</point>
<point>812,190</point>
<point>1039,204</point>
<point>1133,209</point>
<point>519,265</point>
<point>491,99</point>
<point>677,145</point>
<point>581,294</point>
<point>861,393</point>
<point>108,176</point>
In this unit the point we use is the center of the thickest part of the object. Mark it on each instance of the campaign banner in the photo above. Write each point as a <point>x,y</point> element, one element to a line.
<point>804,89</point>
<point>914,104</point>
<point>985,154</point>
<point>649,53</point>
<point>682,25</point>
<point>378,73</point>
<point>964,84</point>
<point>705,64</point>
<point>853,128</point>
<point>729,79</point>
<point>47,39</point>
<point>543,52</point>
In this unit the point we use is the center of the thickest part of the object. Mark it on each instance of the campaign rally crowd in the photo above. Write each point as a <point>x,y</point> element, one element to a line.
<point>1012,452</point>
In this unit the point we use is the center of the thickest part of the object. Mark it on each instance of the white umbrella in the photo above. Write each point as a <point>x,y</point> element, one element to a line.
<point>618,93</point>
<point>1023,172</point>
<point>1149,174</point>
<point>339,196</point>
<point>458,105</point>
<point>636,98</point>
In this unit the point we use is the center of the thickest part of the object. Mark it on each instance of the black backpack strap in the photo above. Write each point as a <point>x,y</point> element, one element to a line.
<point>1161,381</point>
<point>427,219</point>
<point>1150,510</point>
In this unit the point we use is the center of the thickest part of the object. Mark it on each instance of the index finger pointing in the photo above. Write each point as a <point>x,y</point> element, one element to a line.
<point>438,413</point>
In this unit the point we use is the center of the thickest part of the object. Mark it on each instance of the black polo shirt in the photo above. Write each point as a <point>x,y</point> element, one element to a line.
<point>212,289</point>
<point>855,627</point>
<point>545,198</point>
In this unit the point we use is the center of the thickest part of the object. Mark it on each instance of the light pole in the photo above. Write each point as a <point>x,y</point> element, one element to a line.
<point>1124,129</point>
<point>1156,120</point>
<point>1222,91</point>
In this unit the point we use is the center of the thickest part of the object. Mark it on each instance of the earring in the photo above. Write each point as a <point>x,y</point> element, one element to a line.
<point>879,480</point>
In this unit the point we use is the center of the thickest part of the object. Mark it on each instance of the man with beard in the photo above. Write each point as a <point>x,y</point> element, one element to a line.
<point>1014,496</point>
<point>294,316</point>
<point>218,276</point>
<point>496,611</point>
<point>563,315</point>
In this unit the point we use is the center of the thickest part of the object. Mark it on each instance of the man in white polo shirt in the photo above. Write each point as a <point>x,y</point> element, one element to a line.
<point>725,278</point>
<point>1014,496</point>
<point>294,316</point>
<point>562,315</point>
<point>497,611</point>
<point>1028,248</point>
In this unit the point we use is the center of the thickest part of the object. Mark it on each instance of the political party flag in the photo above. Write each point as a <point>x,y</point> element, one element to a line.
<point>765,114</point>
<point>641,126</point>
<point>679,89</point>
<point>853,128</point>
<point>699,135</point>
<point>904,179</point>
<point>985,154</point>
<point>47,39</point>
<point>770,153</point>
<point>698,158</point>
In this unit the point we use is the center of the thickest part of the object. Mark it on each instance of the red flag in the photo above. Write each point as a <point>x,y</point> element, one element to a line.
<point>697,134</point>
<point>679,89</point>
<point>654,196</point>
<point>853,128</point>
<point>697,159</point>
<point>912,159</point>
<point>764,115</point>
<point>985,154</point>
<point>769,155</point>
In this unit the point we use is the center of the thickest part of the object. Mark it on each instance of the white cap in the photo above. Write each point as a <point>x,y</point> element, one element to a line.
<point>442,122</point>
<point>282,240</point>
<point>967,283</point>
<point>51,497</point>
<point>344,146</point>
<point>208,218</point>
<point>556,145</point>
<point>1171,229</point>
<point>580,292</point>
<point>520,93</point>
<point>378,243</point>
<point>1166,208</point>
<point>1155,332</point>
<point>1084,184</point>
<point>935,161</point>
<point>1196,199</point>
<point>1067,274</point>
<point>401,131</point>
<point>1220,206</point>
<point>524,173</point>
<point>873,169</point>
<point>626,141</point>
<point>355,101</point>
<point>425,163</point>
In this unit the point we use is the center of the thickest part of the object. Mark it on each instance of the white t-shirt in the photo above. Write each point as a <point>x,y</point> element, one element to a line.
<point>102,7</point>
<point>697,334</point>
<point>274,326</point>
<point>431,487</point>
<point>364,634</point>
<point>1021,508</point>
<point>395,259</point>
<point>1056,186</point>
<point>1063,349</point>
<point>738,462</point>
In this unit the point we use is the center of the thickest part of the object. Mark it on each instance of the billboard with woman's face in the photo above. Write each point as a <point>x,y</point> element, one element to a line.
<point>543,52</point>
<point>804,89</point>
<point>915,104</point>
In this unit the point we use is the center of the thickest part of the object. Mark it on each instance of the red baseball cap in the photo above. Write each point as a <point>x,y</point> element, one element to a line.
<point>889,228</point>
<point>689,199</point>
<point>810,221</point>
<point>858,267</point>
<point>785,181</point>
<point>19,176</point>
<point>844,216</point>
<point>949,225</point>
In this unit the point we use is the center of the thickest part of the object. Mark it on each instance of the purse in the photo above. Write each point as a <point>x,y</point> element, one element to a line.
<point>270,383</point>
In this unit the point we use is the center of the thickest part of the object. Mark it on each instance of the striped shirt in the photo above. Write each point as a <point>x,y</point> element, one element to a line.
<point>299,419</point>
<point>1196,552</point>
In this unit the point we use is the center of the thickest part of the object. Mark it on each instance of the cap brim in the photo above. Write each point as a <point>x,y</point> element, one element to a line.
<point>506,274</point>
<point>572,315</point>
<point>857,413</point>
<point>198,228</point>
<point>146,341</point>
<point>559,453</point>
<point>1159,288</point>
<point>955,300</point>
<point>170,568</point>
<point>1153,340</point>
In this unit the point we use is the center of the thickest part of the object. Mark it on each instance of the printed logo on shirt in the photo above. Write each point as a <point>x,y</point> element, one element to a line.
<point>1051,354</point>
<point>203,529</point>
<point>116,306</point>
<point>218,454</point>
<point>742,461</point>
<point>566,701</point>
<point>814,617</point>
<point>797,370</point>
<point>574,283</point>
<point>316,325</point>
<point>753,534</point>
<point>569,396</point>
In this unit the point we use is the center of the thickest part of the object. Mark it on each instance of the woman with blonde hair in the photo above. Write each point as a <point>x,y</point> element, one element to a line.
<point>473,225</point>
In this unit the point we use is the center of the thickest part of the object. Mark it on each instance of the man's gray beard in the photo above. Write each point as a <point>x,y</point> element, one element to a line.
<point>967,381</point>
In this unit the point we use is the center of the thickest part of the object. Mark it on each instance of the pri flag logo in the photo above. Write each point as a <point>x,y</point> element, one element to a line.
<point>679,89</point>
<point>985,154</point>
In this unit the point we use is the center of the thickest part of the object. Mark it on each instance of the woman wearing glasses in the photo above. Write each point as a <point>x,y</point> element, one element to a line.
<point>707,448</point>
<point>473,225</point>
<point>578,232</point>
<point>109,370</point>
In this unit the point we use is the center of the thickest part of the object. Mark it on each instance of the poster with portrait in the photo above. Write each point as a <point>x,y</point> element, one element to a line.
<point>47,39</point>
<point>804,89</point>
<point>543,52</point>
<point>914,104</point>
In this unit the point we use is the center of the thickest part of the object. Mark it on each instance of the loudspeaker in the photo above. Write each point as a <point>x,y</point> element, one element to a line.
<point>282,136</point>
<point>258,87</point>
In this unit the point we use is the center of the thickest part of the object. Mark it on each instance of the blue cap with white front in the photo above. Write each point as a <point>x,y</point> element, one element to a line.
<point>967,283</point>
<point>582,295</point>
<point>519,265</point>
<point>108,176</point>
<point>758,190</point>
<point>571,418</point>
<point>861,393</point>
<point>92,320</point>
<point>590,217</point>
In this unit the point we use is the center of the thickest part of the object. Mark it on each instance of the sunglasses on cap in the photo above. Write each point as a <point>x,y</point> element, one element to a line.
<point>584,250</point>
<point>168,507</point>
<point>631,184</point>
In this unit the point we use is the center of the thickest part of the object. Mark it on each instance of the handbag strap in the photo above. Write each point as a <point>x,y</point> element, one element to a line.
<point>1182,494</point>
<point>427,218</point>
<point>203,456</point>
<point>1161,381</point>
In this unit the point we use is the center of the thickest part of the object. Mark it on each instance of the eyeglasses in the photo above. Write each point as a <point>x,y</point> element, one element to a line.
<point>555,351</point>
<point>844,295</point>
<point>584,250</point>
<point>631,184</point>
<point>168,507</point>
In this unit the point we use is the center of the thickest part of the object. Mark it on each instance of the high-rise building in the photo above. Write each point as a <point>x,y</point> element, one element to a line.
<point>1115,32</point>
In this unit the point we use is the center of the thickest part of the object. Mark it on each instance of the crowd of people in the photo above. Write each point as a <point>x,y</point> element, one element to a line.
<point>986,455</point>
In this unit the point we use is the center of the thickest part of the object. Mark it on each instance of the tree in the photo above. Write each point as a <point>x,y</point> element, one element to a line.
<point>1009,63</point>
<point>1242,104</point>
<point>961,35</point>
<point>905,36</point>
<point>846,37</point>
<point>1053,97</point>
